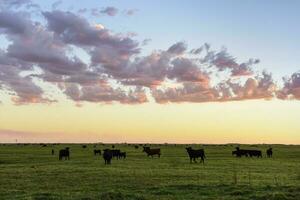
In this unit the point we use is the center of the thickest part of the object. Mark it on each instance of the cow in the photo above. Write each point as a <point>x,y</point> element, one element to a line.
<point>122,155</point>
<point>52,152</point>
<point>151,152</point>
<point>136,146</point>
<point>240,152</point>
<point>247,153</point>
<point>115,153</point>
<point>64,153</point>
<point>270,152</point>
<point>97,151</point>
<point>107,156</point>
<point>84,146</point>
<point>195,153</point>
<point>255,153</point>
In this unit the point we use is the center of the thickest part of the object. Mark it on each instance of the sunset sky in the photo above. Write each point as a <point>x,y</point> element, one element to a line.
<point>150,71</point>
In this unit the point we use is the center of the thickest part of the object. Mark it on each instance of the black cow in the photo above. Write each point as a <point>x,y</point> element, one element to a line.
<point>240,152</point>
<point>64,153</point>
<point>97,151</point>
<point>115,153</point>
<point>195,153</point>
<point>107,156</point>
<point>255,153</point>
<point>247,153</point>
<point>52,152</point>
<point>84,146</point>
<point>122,155</point>
<point>151,152</point>
<point>270,153</point>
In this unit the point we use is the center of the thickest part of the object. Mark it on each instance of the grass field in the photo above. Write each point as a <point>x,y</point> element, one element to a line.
<point>31,172</point>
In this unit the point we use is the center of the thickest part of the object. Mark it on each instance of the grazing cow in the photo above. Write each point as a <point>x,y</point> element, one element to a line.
<point>195,153</point>
<point>113,146</point>
<point>240,152</point>
<point>122,155</point>
<point>107,156</point>
<point>255,153</point>
<point>247,153</point>
<point>270,153</point>
<point>97,151</point>
<point>64,153</point>
<point>151,152</point>
<point>84,146</point>
<point>52,152</point>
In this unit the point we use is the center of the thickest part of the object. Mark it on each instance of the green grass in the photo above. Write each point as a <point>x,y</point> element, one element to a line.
<point>31,172</point>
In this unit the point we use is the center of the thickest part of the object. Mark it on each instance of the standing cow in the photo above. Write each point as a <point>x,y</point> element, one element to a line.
<point>270,153</point>
<point>151,152</point>
<point>195,153</point>
<point>64,153</point>
<point>107,156</point>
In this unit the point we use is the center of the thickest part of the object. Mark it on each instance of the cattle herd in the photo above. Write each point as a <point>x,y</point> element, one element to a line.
<point>194,154</point>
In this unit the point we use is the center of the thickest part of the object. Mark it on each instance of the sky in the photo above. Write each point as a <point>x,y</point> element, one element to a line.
<point>149,71</point>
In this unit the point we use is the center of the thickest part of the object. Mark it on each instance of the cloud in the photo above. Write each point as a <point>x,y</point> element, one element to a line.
<point>15,23</point>
<point>146,41</point>
<point>111,11</point>
<point>190,92</point>
<point>261,87</point>
<point>13,3</point>
<point>185,69</point>
<point>223,61</point>
<point>25,90</point>
<point>104,93</point>
<point>178,48</point>
<point>291,89</point>
<point>113,69</point>
<point>56,4</point>
<point>131,12</point>
<point>73,29</point>
<point>82,10</point>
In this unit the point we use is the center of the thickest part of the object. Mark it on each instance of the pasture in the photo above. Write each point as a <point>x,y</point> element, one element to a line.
<point>31,172</point>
